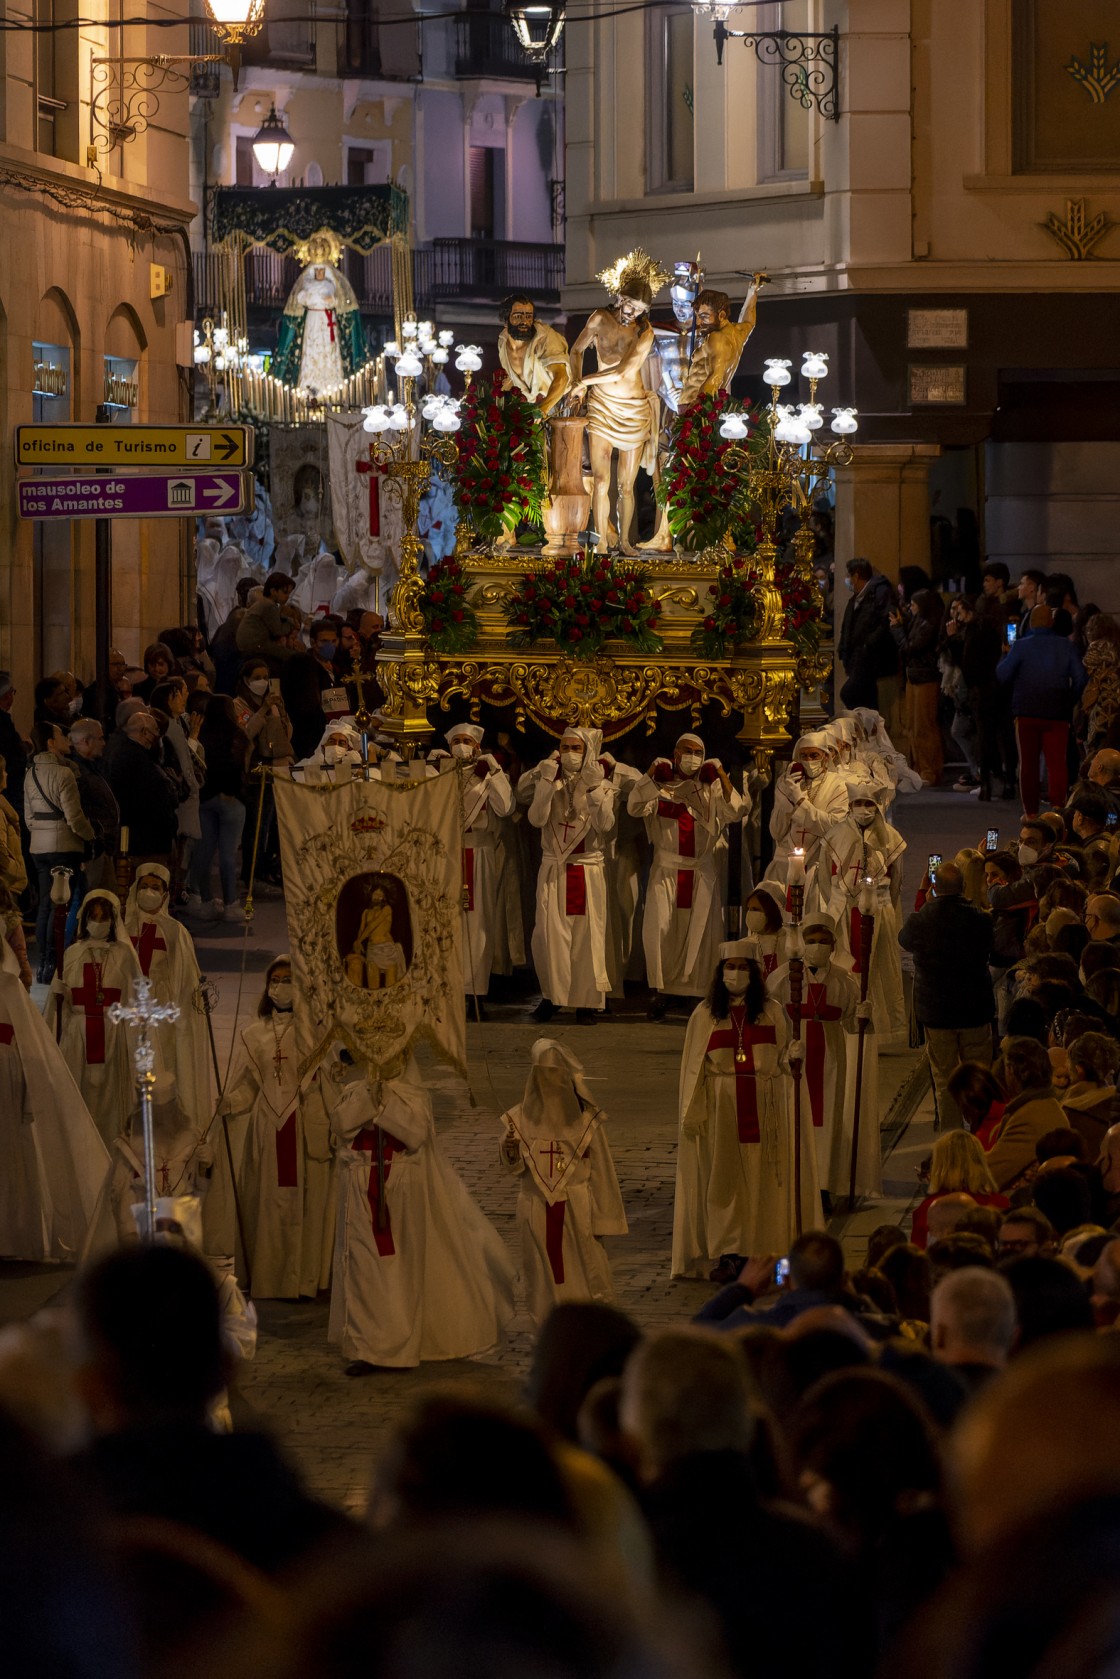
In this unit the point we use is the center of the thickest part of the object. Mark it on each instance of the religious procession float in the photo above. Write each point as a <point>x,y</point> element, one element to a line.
<point>494,524</point>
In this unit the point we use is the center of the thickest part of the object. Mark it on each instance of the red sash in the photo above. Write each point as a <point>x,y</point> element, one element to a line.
<point>147,944</point>
<point>367,1141</point>
<point>859,955</point>
<point>554,1238</point>
<point>686,845</point>
<point>468,874</point>
<point>769,963</point>
<point>7,1032</point>
<point>86,997</point>
<point>814,1012</point>
<point>330,322</point>
<point>575,886</point>
<point>746,1093</point>
<point>287,1154</point>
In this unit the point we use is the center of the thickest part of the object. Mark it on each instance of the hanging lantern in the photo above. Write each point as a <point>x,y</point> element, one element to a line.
<point>538,26</point>
<point>272,145</point>
<point>235,20</point>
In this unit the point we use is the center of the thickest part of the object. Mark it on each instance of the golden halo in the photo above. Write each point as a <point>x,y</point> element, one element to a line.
<point>328,247</point>
<point>637,267</point>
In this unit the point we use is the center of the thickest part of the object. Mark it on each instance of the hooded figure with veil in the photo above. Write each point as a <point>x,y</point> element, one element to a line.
<point>573,806</point>
<point>54,1160</point>
<point>166,953</point>
<point>321,339</point>
<point>97,971</point>
<point>420,1273</point>
<point>569,1196</point>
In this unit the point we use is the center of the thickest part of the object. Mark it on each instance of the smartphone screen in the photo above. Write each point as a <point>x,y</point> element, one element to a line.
<point>934,859</point>
<point>274,685</point>
<point>781,1272</point>
<point>992,843</point>
<point>1012,632</point>
<point>1110,819</point>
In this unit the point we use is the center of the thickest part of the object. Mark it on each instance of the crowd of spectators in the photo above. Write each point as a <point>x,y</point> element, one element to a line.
<point>165,775</point>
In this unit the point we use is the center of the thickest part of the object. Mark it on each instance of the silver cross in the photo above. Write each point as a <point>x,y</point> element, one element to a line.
<point>145,1013</point>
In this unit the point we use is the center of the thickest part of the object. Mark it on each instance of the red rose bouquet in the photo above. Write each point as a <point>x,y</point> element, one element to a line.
<point>450,624</point>
<point>707,499</point>
<point>503,469</point>
<point>580,603</point>
<point>733,614</point>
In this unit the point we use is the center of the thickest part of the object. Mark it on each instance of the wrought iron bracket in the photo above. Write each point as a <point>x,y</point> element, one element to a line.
<point>810,63</point>
<point>125,94</point>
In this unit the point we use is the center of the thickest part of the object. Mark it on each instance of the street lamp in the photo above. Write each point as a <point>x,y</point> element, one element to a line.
<point>537,25</point>
<point>272,145</point>
<point>235,20</point>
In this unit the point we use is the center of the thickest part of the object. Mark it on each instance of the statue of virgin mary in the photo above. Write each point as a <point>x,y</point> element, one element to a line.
<point>321,339</point>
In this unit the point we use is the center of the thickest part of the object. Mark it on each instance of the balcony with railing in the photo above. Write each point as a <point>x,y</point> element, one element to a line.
<point>449,270</point>
<point>485,45</point>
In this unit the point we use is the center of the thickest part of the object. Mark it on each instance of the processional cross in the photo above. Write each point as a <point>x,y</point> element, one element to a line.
<point>145,1014</point>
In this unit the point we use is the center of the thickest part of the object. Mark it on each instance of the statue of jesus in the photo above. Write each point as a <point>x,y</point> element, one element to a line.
<point>622,414</point>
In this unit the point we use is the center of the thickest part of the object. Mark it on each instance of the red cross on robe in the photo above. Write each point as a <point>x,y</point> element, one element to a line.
<point>670,811</point>
<point>7,1032</point>
<point>746,1092</point>
<point>368,468</point>
<point>146,944</point>
<point>94,1002</point>
<point>366,1140</point>
<point>575,885</point>
<point>814,1011</point>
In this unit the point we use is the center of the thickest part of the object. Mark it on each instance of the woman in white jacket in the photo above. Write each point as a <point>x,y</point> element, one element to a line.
<point>58,825</point>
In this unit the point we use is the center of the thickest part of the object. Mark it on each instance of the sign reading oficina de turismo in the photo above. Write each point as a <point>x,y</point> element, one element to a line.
<point>150,490</point>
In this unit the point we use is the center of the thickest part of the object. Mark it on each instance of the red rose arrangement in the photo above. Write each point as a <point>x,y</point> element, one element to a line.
<point>707,499</point>
<point>503,470</point>
<point>450,624</point>
<point>580,603</point>
<point>732,614</point>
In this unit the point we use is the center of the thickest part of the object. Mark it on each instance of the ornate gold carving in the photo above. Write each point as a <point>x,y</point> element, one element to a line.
<point>686,598</point>
<point>492,594</point>
<point>1098,77</point>
<point>1077,235</point>
<point>813,669</point>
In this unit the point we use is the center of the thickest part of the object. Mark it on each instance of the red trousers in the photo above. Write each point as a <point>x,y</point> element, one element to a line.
<point>1042,737</point>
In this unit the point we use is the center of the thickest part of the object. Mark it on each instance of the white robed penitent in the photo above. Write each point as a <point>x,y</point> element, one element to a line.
<point>487,801</point>
<point>569,1196</point>
<point>54,1159</point>
<point>805,809</point>
<point>853,862</point>
<point>421,1275</point>
<point>735,1153</point>
<point>166,953</point>
<point>96,973</point>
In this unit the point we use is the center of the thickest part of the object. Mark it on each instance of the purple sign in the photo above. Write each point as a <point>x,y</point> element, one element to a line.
<point>156,495</point>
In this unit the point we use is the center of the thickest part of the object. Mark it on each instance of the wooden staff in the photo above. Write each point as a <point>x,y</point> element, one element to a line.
<point>796,886</point>
<point>866,935</point>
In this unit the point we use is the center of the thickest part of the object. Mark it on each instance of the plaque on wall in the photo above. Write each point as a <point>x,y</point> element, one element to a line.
<point>936,385</point>
<point>936,329</point>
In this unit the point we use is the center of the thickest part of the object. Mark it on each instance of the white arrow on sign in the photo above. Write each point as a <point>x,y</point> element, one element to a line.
<point>224,491</point>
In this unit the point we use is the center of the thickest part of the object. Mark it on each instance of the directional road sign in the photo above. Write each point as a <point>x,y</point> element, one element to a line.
<point>82,448</point>
<point>155,495</point>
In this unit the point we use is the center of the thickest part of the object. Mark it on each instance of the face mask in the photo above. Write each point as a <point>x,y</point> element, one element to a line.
<point>863,818</point>
<point>813,768</point>
<point>75,706</point>
<point>817,953</point>
<point>571,760</point>
<point>150,899</point>
<point>326,649</point>
<point>280,993</point>
<point>463,750</point>
<point>736,980</point>
<point>755,920</point>
<point>334,754</point>
<point>1027,855</point>
<point>690,762</point>
<point>258,686</point>
<point>98,929</point>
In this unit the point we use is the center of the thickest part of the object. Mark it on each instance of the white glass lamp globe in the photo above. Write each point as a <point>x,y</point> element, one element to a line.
<point>813,415</point>
<point>392,348</point>
<point>439,356</point>
<point>375,419</point>
<point>777,372</point>
<point>447,419</point>
<point>409,365</point>
<point>814,365</point>
<point>844,421</point>
<point>468,358</point>
<point>733,426</point>
<point>398,417</point>
<point>446,338</point>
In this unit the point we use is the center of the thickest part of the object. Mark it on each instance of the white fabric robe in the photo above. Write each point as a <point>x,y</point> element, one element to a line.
<point>803,813</point>
<point>174,973</point>
<point>844,866</point>
<point>487,801</point>
<point>436,1281</point>
<point>681,940</point>
<point>624,860</point>
<point>569,1198</point>
<point>97,1052</point>
<point>830,997</point>
<point>733,1196</point>
<point>284,1178</point>
<point>511,857</point>
<point>53,1158</point>
<point>179,1171</point>
<point>570,951</point>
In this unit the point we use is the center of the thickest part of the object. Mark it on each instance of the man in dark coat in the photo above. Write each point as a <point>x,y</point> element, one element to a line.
<point>149,808</point>
<point>951,943</point>
<point>866,647</point>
